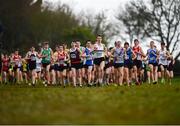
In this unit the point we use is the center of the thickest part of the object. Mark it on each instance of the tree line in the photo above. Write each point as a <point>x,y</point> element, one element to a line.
<point>25,23</point>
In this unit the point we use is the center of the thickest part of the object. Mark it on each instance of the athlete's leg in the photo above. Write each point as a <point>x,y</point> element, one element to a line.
<point>107,75</point>
<point>89,75</point>
<point>121,73</point>
<point>64,77</point>
<point>112,75</point>
<point>70,78</point>
<point>60,77</point>
<point>47,73</point>
<point>4,76</point>
<point>130,74</point>
<point>171,76</point>
<point>73,75</point>
<point>168,76</point>
<point>151,72</point>
<point>96,74</point>
<point>33,76</point>
<point>149,77</point>
<point>155,74</point>
<point>127,75</point>
<point>53,73</point>
<point>162,74</point>
<point>135,73</point>
<point>116,72</point>
<point>92,74</point>
<point>17,75</point>
<point>101,72</point>
<point>26,77</point>
<point>83,75</point>
<point>57,76</point>
<point>80,76</point>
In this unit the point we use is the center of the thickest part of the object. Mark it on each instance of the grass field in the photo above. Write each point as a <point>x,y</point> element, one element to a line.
<point>146,104</point>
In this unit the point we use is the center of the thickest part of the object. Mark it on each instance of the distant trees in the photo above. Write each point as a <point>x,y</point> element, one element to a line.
<point>26,23</point>
<point>99,25</point>
<point>14,17</point>
<point>155,19</point>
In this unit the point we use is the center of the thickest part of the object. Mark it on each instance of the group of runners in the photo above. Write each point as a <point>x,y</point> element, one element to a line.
<point>94,64</point>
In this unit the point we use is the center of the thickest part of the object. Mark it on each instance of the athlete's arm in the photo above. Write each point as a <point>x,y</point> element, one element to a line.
<point>142,52</point>
<point>41,54</point>
<point>147,53</point>
<point>158,52</point>
<point>174,61</point>
<point>134,55</point>
<point>112,52</point>
<point>168,54</point>
<point>67,56</point>
<point>51,53</point>
<point>27,55</point>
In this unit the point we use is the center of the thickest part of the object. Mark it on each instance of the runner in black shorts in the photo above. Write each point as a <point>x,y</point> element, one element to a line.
<point>99,64</point>
<point>32,56</point>
<point>118,53</point>
<point>137,63</point>
<point>46,55</point>
<point>128,62</point>
<point>75,57</point>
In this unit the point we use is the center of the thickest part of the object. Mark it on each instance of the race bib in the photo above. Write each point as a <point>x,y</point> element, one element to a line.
<point>33,58</point>
<point>119,60</point>
<point>89,57</point>
<point>138,57</point>
<point>152,58</point>
<point>61,62</point>
<point>99,54</point>
<point>126,57</point>
<point>73,56</point>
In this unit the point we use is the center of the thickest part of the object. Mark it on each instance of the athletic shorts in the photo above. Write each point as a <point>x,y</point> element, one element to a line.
<point>32,65</point>
<point>45,65</point>
<point>68,67</point>
<point>82,65</point>
<point>128,65</point>
<point>56,67</point>
<point>61,68</point>
<point>5,69</point>
<point>154,64</point>
<point>16,67</point>
<point>107,65</point>
<point>77,66</point>
<point>118,65</point>
<point>170,68</point>
<point>87,66</point>
<point>111,63</point>
<point>98,61</point>
<point>51,68</point>
<point>165,66</point>
<point>159,68</point>
<point>137,63</point>
<point>38,70</point>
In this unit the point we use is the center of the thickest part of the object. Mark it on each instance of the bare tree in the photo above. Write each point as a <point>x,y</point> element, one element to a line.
<point>156,19</point>
<point>99,25</point>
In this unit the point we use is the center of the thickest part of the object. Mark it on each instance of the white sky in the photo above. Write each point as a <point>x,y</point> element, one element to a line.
<point>110,7</point>
<point>95,5</point>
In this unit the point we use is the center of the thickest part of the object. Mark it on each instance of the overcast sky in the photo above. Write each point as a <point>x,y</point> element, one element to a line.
<point>95,5</point>
<point>110,7</point>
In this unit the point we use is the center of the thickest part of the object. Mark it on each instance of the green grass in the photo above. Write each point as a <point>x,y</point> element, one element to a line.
<point>146,104</point>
